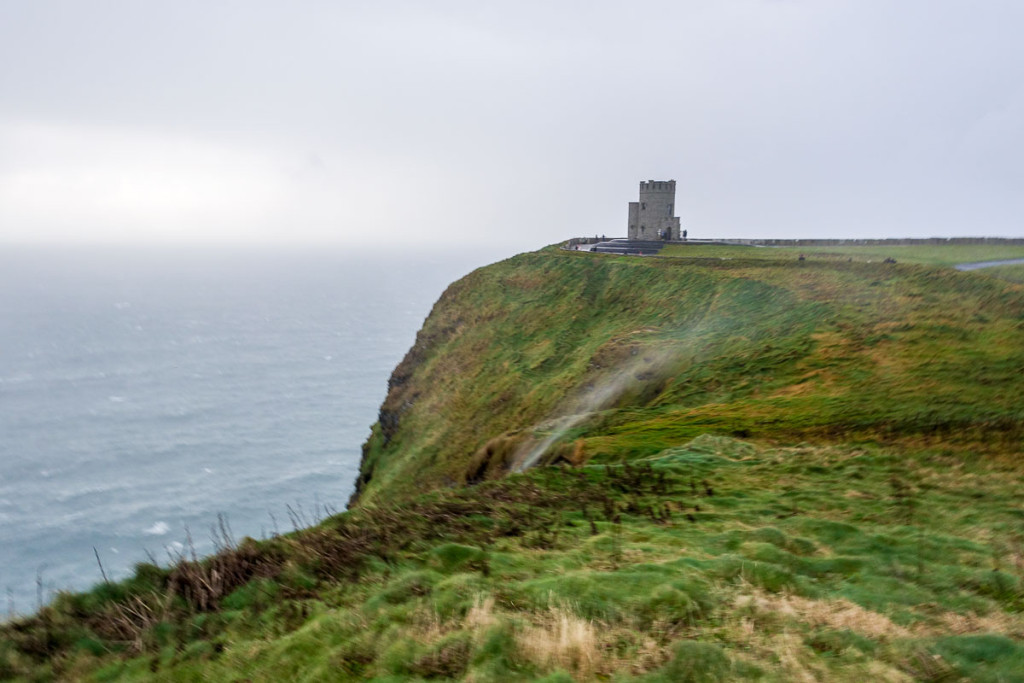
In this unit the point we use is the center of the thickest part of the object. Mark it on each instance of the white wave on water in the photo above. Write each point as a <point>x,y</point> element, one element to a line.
<point>158,529</point>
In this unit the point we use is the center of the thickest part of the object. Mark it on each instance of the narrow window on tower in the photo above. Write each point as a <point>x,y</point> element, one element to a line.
<point>669,209</point>
<point>643,205</point>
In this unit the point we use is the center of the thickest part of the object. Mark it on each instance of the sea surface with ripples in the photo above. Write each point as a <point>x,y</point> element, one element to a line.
<point>144,392</point>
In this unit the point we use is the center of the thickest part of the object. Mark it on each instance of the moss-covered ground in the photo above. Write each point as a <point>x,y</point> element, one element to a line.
<point>746,468</point>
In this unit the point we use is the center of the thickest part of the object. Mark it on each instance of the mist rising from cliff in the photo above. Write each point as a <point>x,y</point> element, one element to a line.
<point>648,365</point>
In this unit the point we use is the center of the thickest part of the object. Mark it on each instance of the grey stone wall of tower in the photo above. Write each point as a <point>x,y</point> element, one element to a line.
<point>653,217</point>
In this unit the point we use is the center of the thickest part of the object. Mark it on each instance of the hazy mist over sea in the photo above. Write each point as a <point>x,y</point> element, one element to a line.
<point>145,391</point>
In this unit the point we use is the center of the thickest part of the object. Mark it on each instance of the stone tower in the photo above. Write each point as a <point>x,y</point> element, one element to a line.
<point>652,217</point>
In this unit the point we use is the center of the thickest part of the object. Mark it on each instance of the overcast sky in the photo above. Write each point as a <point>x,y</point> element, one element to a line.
<point>519,122</point>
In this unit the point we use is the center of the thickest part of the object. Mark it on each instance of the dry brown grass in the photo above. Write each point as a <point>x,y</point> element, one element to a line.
<point>767,627</point>
<point>557,638</point>
<point>835,614</point>
<point>127,622</point>
<point>563,640</point>
<point>950,623</point>
<point>481,615</point>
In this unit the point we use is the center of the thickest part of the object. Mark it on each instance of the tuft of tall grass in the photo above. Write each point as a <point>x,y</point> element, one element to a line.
<point>561,639</point>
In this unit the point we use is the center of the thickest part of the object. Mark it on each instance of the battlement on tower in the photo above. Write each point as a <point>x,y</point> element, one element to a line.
<point>658,186</point>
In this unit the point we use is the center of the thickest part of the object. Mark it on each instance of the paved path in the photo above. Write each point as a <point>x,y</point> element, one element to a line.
<point>988,264</point>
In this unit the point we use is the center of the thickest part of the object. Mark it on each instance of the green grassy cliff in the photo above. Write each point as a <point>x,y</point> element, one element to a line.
<point>631,356</point>
<point>742,466</point>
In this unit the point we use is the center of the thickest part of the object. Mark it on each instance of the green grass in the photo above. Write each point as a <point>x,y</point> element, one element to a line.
<point>703,562</point>
<point>1008,273</point>
<point>750,467</point>
<point>943,255</point>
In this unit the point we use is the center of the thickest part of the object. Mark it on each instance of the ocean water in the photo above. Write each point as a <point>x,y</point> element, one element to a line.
<point>144,392</point>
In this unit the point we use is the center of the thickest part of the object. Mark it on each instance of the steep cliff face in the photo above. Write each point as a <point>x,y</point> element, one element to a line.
<point>571,356</point>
